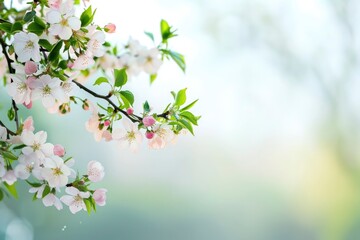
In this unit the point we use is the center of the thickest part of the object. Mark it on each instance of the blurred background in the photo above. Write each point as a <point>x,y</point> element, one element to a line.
<point>277,152</point>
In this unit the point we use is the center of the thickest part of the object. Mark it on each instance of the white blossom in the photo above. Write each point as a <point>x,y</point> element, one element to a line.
<point>26,46</point>
<point>75,199</point>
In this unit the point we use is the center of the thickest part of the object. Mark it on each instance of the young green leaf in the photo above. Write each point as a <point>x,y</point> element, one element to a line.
<point>55,51</point>
<point>179,59</point>
<point>11,189</point>
<point>101,80</point>
<point>127,96</point>
<point>120,77</point>
<point>187,125</point>
<point>6,27</point>
<point>36,28</point>
<point>150,35</point>
<point>45,44</point>
<point>166,31</point>
<point>180,97</point>
<point>146,107</point>
<point>189,106</point>
<point>29,16</point>
<point>152,78</point>
<point>17,26</point>
<point>87,17</point>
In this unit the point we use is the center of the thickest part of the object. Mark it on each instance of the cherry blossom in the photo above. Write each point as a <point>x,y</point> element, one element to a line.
<point>49,90</point>
<point>56,172</point>
<point>100,196</point>
<point>25,166</point>
<point>130,136</point>
<point>149,60</point>
<point>162,136</point>
<point>95,171</point>
<point>75,199</point>
<point>18,89</point>
<point>52,200</point>
<point>9,177</point>
<point>62,21</point>
<point>26,46</point>
<point>36,144</point>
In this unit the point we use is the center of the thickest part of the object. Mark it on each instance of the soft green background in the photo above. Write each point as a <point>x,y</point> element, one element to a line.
<point>276,156</point>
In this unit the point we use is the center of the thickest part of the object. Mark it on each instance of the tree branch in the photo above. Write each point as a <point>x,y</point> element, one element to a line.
<point>8,130</point>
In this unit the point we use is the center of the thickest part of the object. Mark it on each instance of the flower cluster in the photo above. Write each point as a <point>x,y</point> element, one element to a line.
<point>49,55</point>
<point>28,156</point>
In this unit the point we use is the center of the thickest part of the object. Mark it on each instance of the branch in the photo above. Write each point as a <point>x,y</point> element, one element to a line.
<point>107,98</point>
<point>8,130</point>
<point>11,70</point>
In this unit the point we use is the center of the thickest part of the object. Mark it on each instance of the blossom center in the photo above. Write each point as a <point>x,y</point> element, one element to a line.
<point>46,90</point>
<point>57,171</point>
<point>36,146</point>
<point>29,44</point>
<point>131,136</point>
<point>21,87</point>
<point>64,22</point>
<point>29,168</point>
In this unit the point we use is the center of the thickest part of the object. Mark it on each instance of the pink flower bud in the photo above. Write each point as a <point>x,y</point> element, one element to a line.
<point>95,171</point>
<point>30,82</point>
<point>110,28</point>
<point>30,67</point>
<point>107,123</point>
<point>59,150</point>
<point>149,135</point>
<point>28,106</point>
<point>130,111</point>
<point>148,121</point>
<point>100,196</point>
<point>29,124</point>
<point>70,64</point>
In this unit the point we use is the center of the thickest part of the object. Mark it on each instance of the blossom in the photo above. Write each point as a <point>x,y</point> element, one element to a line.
<point>130,111</point>
<point>30,67</point>
<point>49,90</point>
<point>56,172</point>
<point>28,124</point>
<point>148,121</point>
<point>3,133</point>
<point>38,190</point>
<point>95,44</point>
<point>95,171</point>
<point>75,199</point>
<point>163,135</point>
<point>52,200</point>
<point>59,150</point>
<point>100,196</point>
<point>25,166</point>
<point>2,166</point>
<point>149,135</point>
<point>36,144</point>
<point>130,136</point>
<point>18,89</point>
<point>149,60</point>
<point>62,21</point>
<point>9,177</point>
<point>26,46</point>
<point>83,62</point>
<point>110,28</point>
<point>129,62</point>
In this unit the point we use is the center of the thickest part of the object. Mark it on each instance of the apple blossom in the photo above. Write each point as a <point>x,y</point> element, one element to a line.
<point>83,62</point>
<point>130,111</point>
<point>95,171</point>
<point>9,177</point>
<point>18,89</point>
<point>130,136</point>
<point>25,166</point>
<point>75,199</point>
<point>148,121</point>
<point>55,172</point>
<point>49,90</point>
<point>52,200</point>
<point>100,196</point>
<point>59,150</point>
<point>110,28</point>
<point>38,190</point>
<point>162,136</point>
<point>26,46</point>
<point>36,144</point>
<point>28,124</point>
<point>149,135</point>
<point>30,67</point>
<point>62,21</point>
<point>150,61</point>
<point>95,45</point>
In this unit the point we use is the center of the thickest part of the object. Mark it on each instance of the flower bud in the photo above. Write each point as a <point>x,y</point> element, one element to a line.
<point>59,150</point>
<point>100,196</point>
<point>149,135</point>
<point>107,123</point>
<point>30,67</point>
<point>130,111</point>
<point>110,28</point>
<point>85,105</point>
<point>148,121</point>
<point>28,106</point>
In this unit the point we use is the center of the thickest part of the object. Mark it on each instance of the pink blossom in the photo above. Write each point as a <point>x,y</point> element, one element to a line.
<point>29,124</point>
<point>75,199</point>
<point>52,200</point>
<point>100,196</point>
<point>130,111</point>
<point>28,106</point>
<point>110,28</point>
<point>59,150</point>
<point>148,121</point>
<point>30,67</point>
<point>149,135</point>
<point>95,171</point>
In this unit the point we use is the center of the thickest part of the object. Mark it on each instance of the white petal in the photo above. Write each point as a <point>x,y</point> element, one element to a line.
<point>53,17</point>
<point>74,23</point>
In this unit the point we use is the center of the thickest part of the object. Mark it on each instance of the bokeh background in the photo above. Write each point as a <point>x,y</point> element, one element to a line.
<point>276,156</point>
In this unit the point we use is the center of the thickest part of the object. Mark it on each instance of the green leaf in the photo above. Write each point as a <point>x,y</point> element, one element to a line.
<point>189,116</point>
<point>33,184</point>
<point>128,97</point>
<point>88,205</point>
<point>189,106</point>
<point>11,189</point>
<point>17,26</point>
<point>6,27</point>
<point>11,114</point>
<point>180,97</point>
<point>1,195</point>
<point>39,22</point>
<point>120,77</point>
<point>173,94</point>
<point>9,156</point>
<point>101,80</point>
<point>45,44</point>
<point>36,28</point>
<point>46,191</point>
<point>152,78</point>
<point>55,52</point>
<point>166,31</point>
<point>19,147</point>
<point>87,17</point>
<point>63,64</point>
<point>29,16</point>
<point>150,35</point>
<point>187,125</point>
<point>179,59</point>
<point>146,107</point>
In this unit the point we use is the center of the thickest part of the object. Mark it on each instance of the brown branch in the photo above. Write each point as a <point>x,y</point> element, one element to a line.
<point>7,129</point>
